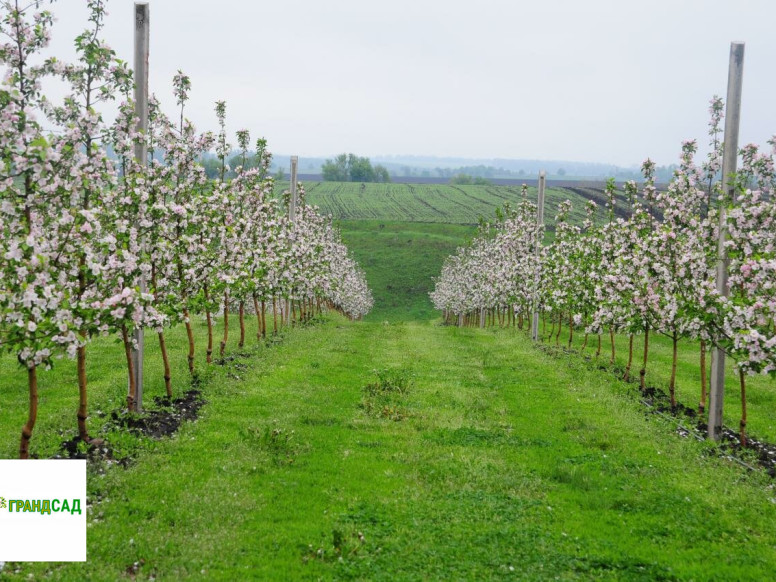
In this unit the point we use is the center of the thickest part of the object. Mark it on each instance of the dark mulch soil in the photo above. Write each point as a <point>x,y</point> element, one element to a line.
<point>161,421</point>
<point>94,450</point>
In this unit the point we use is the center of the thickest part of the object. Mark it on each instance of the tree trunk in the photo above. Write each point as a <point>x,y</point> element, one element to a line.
<point>258,318</point>
<point>162,343</point>
<point>552,329</point>
<point>571,330</point>
<point>560,326</point>
<point>132,393</point>
<point>226,324</point>
<point>166,361</point>
<point>626,376</point>
<point>611,338</point>
<point>672,383</point>
<point>275,314</point>
<point>742,424</point>
<point>584,343</point>
<point>209,337</point>
<point>82,413</point>
<point>32,415</point>
<point>598,351</point>
<point>242,325</point>
<point>209,328</point>
<point>643,371</point>
<point>263,319</point>
<point>190,335</point>
<point>702,403</point>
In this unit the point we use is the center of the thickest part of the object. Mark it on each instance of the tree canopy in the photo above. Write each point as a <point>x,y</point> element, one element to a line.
<point>466,179</point>
<point>352,168</point>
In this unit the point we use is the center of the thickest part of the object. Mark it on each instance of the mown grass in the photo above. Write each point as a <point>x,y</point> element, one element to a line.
<point>761,390</point>
<point>506,463</point>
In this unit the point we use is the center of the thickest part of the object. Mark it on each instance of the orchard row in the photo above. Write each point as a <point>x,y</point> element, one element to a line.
<point>93,243</point>
<point>652,270</point>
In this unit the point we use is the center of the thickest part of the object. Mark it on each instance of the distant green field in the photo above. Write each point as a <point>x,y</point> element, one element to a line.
<point>444,203</point>
<point>400,259</point>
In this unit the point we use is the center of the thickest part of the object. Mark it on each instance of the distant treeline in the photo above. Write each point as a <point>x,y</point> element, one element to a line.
<point>662,173</point>
<point>352,168</point>
<point>466,180</point>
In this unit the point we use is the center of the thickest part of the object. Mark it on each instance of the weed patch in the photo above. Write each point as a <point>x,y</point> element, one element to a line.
<point>386,397</point>
<point>278,443</point>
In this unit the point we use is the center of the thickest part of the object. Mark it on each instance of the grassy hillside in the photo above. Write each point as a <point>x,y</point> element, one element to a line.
<point>476,456</point>
<point>400,259</point>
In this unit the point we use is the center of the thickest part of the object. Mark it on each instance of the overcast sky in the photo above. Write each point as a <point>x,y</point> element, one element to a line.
<point>611,81</point>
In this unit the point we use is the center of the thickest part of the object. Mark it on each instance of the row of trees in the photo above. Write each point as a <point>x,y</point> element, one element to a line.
<point>467,180</point>
<point>90,246</point>
<point>650,272</point>
<point>352,168</point>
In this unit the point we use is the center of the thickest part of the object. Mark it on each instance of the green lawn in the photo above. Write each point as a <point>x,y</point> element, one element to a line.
<point>495,461</point>
<point>761,390</point>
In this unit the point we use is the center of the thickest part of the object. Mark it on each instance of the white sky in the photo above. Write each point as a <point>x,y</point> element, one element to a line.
<point>611,81</point>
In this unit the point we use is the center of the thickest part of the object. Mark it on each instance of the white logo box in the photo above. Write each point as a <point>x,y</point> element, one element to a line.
<point>33,536</point>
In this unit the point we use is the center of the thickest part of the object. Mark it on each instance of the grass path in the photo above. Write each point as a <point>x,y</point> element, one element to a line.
<point>498,462</point>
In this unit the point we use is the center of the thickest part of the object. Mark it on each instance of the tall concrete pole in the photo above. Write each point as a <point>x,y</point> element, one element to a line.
<point>539,223</point>
<point>729,164</point>
<point>294,201</point>
<point>142,30</point>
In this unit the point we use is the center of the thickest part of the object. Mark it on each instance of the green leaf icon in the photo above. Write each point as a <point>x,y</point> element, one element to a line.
<point>2,503</point>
